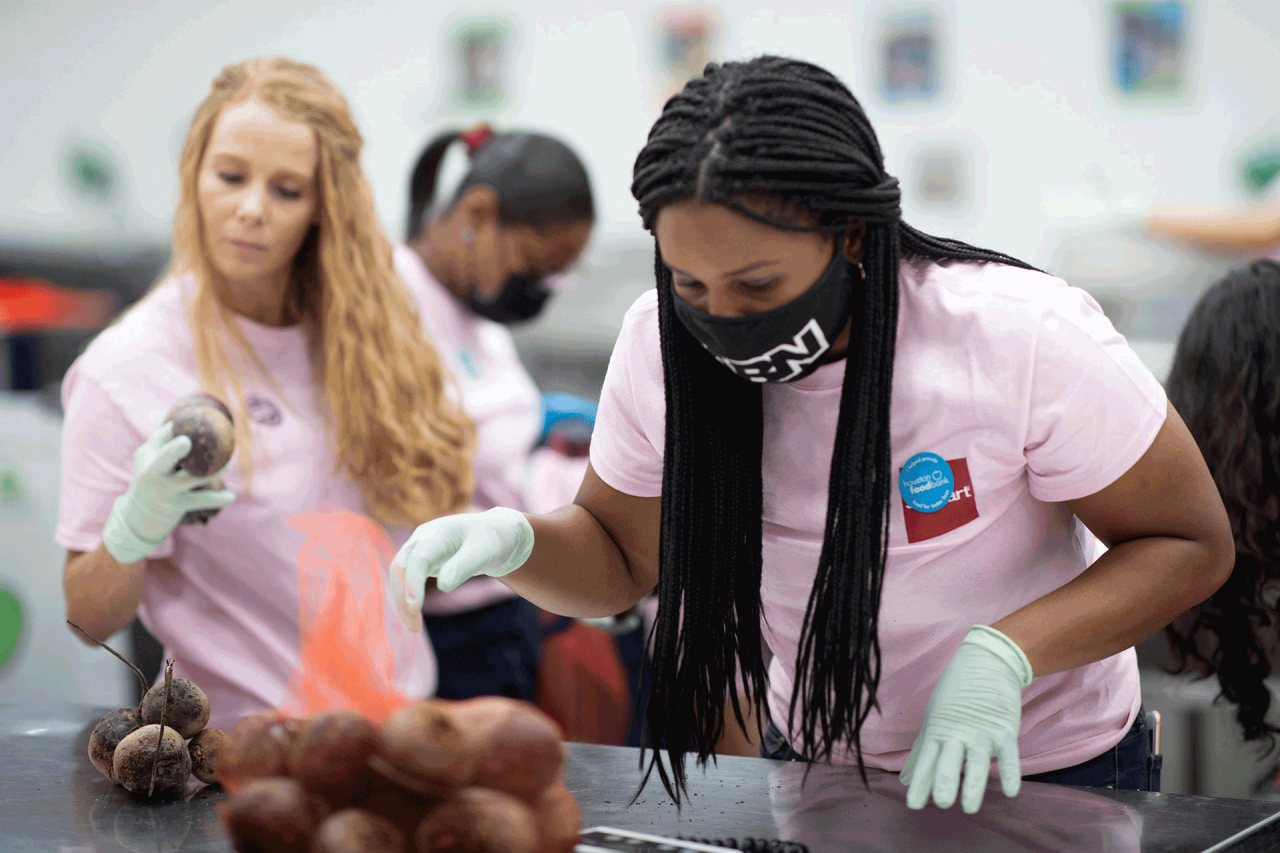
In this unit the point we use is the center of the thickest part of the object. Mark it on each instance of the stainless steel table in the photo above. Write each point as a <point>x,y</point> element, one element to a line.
<point>51,799</point>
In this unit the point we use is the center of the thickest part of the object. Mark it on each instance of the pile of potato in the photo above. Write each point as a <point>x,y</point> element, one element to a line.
<point>474,776</point>
<point>128,748</point>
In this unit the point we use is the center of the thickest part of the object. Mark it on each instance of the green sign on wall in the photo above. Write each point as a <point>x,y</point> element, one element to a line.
<point>11,623</point>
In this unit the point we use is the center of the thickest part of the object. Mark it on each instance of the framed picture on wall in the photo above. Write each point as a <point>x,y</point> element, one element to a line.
<point>910,60</point>
<point>1149,46</point>
<point>941,175</point>
<point>685,42</point>
<point>481,56</point>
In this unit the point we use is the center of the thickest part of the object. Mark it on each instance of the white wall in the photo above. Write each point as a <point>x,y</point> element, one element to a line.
<point>1028,87</point>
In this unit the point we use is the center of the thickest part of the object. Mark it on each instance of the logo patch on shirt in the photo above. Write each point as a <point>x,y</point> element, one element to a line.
<point>263,411</point>
<point>958,510</point>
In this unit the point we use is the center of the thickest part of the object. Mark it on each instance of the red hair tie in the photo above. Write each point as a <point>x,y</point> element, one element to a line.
<point>477,136</point>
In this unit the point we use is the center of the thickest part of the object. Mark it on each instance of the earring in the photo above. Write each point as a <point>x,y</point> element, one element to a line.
<point>862,271</point>
<point>468,234</point>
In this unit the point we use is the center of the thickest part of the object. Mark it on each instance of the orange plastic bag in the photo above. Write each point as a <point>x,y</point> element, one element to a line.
<point>354,653</point>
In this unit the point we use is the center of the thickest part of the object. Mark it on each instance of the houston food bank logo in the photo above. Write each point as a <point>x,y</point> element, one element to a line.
<point>937,495</point>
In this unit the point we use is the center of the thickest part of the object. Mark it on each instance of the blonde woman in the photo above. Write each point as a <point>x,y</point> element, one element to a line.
<point>281,299</point>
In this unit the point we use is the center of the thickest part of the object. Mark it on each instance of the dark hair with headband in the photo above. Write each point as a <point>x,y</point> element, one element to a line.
<point>539,180</point>
<point>1225,383</point>
<point>790,134</point>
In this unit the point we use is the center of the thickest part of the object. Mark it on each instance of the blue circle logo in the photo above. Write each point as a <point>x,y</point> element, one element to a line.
<point>926,482</point>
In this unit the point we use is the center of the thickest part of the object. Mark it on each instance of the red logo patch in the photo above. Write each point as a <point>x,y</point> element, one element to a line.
<point>960,510</point>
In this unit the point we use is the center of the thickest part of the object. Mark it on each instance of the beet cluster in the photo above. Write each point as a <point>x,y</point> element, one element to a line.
<point>152,761</point>
<point>474,776</point>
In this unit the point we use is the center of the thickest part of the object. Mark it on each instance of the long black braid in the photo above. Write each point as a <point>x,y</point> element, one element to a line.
<point>789,133</point>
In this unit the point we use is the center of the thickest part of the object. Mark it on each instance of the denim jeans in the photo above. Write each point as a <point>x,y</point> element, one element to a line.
<point>1129,765</point>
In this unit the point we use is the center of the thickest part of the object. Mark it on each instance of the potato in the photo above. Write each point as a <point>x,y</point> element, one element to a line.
<point>559,820</point>
<point>272,815</point>
<point>330,755</point>
<point>256,747</point>
<point>358,831</point>
<point>206,748</point>
<point>490,742</point>
<point>187,711</point>
<point>135,757</point>
<point>106,736</point>
<point>208,423</point>
<point>478,820</point>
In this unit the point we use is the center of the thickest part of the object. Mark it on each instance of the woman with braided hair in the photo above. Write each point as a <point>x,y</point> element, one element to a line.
<point>889,456</point>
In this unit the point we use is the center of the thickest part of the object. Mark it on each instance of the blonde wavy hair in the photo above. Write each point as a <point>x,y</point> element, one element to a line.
<point>396,430</point>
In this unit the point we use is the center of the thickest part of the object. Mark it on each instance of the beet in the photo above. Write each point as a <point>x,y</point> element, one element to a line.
<point>257,747</point>
<point>202,516</point>
<point>206,748</point>
<point>478,820</point>
<point>135,757</point>
<point>188,709</point>
<point>358,831</point>
<point>106,736</point>
<point>274,814</point>
<point>209,425</point>
<point>196,401</point>
<point>331,755</point>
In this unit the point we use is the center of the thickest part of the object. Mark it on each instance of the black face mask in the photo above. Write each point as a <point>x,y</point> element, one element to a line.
<point>521,298</point>
<point>782,344</point>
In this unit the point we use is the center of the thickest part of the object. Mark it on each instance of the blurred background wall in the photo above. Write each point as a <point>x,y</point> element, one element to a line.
<point>1044,130</point>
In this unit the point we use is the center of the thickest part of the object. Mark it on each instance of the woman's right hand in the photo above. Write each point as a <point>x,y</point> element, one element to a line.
<point>454,549</point>
<point>157,498</point>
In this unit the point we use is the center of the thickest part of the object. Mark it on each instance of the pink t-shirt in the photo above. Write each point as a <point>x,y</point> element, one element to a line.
<point>1021,384</point>
<point>228,615</point>
<point>501,398</point>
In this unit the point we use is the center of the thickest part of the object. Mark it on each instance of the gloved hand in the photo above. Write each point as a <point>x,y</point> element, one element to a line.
<point>973,715</point>
<point>157,498</point>
<point>454,549</point>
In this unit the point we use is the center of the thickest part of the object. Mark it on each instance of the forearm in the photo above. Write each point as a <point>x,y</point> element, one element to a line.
<point>1129,593</point>
<point>1238,231</point>
<point>102,594</point>
<point>576,568</point>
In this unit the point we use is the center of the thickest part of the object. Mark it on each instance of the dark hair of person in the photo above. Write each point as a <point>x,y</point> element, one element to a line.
<point>1225,383</point>
<point>539,180</point>
<point>784,143</point>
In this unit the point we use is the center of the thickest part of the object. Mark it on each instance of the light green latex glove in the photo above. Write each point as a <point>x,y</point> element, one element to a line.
<point>157,498</point>
<point>973,715</point>
<point>454,549</point>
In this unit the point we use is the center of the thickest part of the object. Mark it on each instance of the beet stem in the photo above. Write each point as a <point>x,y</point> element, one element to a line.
<point>155,762</point>
<point>142,679</point>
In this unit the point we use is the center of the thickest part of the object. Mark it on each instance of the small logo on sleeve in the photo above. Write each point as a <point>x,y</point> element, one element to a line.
<point>937,496</point>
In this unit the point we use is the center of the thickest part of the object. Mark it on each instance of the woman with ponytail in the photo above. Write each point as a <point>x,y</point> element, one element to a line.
<point>890,456</point>
<point>495,221</point>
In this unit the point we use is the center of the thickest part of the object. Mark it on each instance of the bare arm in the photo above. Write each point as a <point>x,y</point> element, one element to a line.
<point>1237,231</point>
<point>595,557</point>
<point>102,595</point>
<point>1170,548</point>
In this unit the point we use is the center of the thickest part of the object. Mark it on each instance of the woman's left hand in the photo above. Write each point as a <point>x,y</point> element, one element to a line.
<point>973,715</point>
